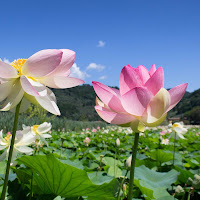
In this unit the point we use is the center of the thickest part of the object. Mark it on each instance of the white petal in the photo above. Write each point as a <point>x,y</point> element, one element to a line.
<point>6,88</point>
<point>49,102</point>
<point>2,140</point>
<point>3,147</point>
<point>14,98</point>
<point>4,155</point>
<point>180,135</point>
<point>14,156</point>
<point>32,87</point>
<point>24,149</point>
<point>45,135</point>
<point>44,128</point>
<point>23,107</point>
<point>19,136</point>
<point>27,139</point>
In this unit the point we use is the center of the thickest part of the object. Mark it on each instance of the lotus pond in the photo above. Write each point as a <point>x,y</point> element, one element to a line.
<point>90,165</point>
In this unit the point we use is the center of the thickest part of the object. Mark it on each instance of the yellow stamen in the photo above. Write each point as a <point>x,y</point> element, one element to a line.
<point>17,64</point>
<point>7,137</point>
<point>175,125</point>
<point>35,129</point>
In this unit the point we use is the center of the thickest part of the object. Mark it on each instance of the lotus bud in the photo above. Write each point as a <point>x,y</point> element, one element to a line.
<point>117,142</point>
<point>128,161</point>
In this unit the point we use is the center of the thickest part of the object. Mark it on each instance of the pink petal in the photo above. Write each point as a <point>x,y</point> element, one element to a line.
<point>32,87</point>
<point>108,96</point>
<point>157,107</point>
<point>7,71</point>
<point>42,63</point>
<point>60,81</point>
<point>152,70</point>
<point>66,63</point>
<point>177,94</point>
<point>136,100</point>
<point>48,102</point>
<point>113,117</point>
<point>129,79</point>
<point>143,72</point>
<point>156,82</point>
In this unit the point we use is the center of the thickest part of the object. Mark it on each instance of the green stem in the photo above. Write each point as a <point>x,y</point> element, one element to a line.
<point>10,151</point>
<point>118,198</point>
<point>115,158</point>
<point>188,197</point>
<point>31,192</point>
<point>134,152</point>
<point>174,149</point>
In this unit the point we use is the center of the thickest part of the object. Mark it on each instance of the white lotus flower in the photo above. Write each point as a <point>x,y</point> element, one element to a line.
<point>39,131</point>
<point>165,141</point>
<point>22,140</point>
<point>179,129</point>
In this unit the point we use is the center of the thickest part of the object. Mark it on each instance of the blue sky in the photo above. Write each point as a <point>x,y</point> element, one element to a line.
<point>107,35</point>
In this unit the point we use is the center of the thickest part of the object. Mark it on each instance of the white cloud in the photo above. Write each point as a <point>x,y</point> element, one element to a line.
<point>95,66</point>
<point>77,73</point>
<point>101,43</point>
<point>102,77</point>
<point>5,60</point>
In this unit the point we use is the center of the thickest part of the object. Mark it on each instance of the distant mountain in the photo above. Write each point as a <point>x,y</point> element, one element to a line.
<point>78,104</point>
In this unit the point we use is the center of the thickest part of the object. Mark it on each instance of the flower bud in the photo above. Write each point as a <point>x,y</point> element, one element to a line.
<point>117,142</point>
<point>128,161</point>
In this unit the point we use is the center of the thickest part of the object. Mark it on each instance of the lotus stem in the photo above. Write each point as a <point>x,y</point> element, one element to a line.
<point>134,152</point>
<point>3,195</point>
<point>122,182</point>
<point>174,149</point>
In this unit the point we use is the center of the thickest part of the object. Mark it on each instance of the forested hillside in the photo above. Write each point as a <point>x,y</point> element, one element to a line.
<point>78,104</point>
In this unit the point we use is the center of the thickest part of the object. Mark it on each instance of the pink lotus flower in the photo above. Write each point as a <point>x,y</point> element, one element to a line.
<point>86,141</point>
<point>163,132</point>
<point>27,79</point>
<point>94,130</point>
<point>141,100</point>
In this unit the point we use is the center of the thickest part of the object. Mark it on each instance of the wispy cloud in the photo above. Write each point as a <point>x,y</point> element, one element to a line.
<point>5,60</point>
<point>101,43</point>
<point>77,73</point>
<point>102,77</point>
<point>94,66</point>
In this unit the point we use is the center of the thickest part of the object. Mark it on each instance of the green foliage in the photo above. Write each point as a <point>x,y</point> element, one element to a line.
<point>188,107</point>
<point>101,162</point>
<point>194,115</point>
<point>54,177</point>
